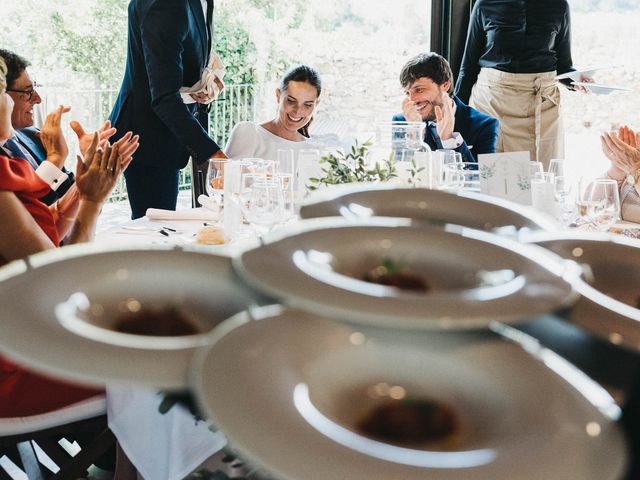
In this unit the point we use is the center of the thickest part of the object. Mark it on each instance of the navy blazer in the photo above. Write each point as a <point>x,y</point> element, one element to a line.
<point>479,131</point>
<point>168,49</point>
<point>29,140</point>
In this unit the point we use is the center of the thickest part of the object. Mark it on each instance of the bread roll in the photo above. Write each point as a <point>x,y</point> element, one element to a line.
<point>210,236</point>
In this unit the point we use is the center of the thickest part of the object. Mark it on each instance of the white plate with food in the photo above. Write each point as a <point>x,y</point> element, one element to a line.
<point>113,314</point>
<point>609,303</point>
<point>469,209</point>
<point>388,272</point>
<point>319,400</point>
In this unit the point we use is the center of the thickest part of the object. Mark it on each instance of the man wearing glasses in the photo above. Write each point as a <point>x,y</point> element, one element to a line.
<point>25,143</point>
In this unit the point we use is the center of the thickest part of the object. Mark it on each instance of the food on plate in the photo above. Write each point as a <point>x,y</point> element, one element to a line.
<point>411,423</point>
<point>210,236</point>
<point>393,274</point>
<point>159,322</point>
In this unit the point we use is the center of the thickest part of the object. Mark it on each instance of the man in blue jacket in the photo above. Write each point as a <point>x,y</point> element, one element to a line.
<point>427,80</point>
<point>168,48</point>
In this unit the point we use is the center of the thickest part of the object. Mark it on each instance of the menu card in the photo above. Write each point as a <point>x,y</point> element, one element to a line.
<point>506,175</point>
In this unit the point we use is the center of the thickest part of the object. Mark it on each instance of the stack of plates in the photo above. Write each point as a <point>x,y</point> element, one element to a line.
<point>290,385</point>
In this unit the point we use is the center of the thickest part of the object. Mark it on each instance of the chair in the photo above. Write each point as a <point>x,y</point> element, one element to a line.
<point>20,438</point>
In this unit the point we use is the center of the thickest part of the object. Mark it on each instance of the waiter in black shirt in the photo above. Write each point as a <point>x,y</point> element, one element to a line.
<point>514,50</point>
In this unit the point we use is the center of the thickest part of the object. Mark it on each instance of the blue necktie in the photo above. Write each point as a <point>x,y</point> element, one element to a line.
<point>18,152</point>
<point>432,137</point>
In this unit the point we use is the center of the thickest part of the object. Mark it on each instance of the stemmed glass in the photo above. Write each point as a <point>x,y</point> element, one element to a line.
<point>265,207</point>
<point>603,208</point>
<point>562,192</point>
<point>215,177</point>
<point>556,166</point>
<point>583,198</point>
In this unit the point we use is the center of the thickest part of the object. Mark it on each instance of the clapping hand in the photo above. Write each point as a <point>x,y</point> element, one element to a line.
<point>445,118</point>
<point>52,138</point>
<point>84,139</point>
<point>622,150</point>
<point>97,175</point>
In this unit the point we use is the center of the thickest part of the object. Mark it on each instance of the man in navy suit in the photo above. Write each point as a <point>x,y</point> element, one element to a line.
<point>168,48</point>
<point>427,80</point>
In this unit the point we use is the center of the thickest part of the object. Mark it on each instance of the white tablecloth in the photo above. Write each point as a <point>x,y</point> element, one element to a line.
<point>161,446</point>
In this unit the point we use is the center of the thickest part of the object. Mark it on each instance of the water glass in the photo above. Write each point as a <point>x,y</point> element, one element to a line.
<point>308,167</point>
<point>604,203</point>
<point>562,193</point>
<point>265,208</point>
<point>285,161</point>
<point>215,176</point>
<point>535,167</point>
<point>556,166</point>
<point>543,192</point>
<point>449,156</point>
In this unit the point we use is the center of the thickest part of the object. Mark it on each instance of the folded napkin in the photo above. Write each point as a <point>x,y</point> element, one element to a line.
<point>210,203</point>
<point>192,214</point>
<point>211,82</point>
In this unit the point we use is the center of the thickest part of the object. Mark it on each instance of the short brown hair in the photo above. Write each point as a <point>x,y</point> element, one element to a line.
<point>430,65</point>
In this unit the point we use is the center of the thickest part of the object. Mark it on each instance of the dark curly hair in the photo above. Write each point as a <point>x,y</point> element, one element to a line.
<point>430,65</point>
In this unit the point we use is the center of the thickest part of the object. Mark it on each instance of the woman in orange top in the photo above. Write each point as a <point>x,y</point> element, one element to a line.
<point>28,226</point>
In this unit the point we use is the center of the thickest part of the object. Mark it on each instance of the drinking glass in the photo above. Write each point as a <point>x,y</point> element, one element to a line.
<point>453,176</point>
<point>285,161</point>
<point>583,198</point>
<point>535,167</point>
<point>604,203</point>
<point>215,176</point>
<point>556,166</point>
<point>562,192</point>
<point>308,167</point>
<point>449,156</point>
<point>265,208</point>
<point>246,186</point>
<point>542,192</point>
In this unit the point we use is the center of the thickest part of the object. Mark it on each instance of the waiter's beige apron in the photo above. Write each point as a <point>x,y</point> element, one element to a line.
<point>528,108</point>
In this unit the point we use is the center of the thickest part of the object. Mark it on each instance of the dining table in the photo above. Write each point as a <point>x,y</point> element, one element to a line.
<point>168,444</point>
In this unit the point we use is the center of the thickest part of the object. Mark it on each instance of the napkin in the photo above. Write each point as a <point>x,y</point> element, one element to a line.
<point>210,82</point>
<point>192,214</point>
<point>210,203</point>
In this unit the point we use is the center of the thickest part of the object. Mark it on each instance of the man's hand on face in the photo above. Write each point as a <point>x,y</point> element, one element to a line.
<point>445,119</point>
<point>410,111</point>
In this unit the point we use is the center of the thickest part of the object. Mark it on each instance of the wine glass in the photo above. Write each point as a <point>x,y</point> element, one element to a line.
<point>583,195</point>
<point>562,191</point>
<point>246,185</point>
<point>265,208</point>
<point>603,209</point>
<point>556,166</point>
<point>535,167</point>
<point>215,176</point>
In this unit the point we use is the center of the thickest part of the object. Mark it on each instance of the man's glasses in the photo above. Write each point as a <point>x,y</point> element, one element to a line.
<point>28,94</point>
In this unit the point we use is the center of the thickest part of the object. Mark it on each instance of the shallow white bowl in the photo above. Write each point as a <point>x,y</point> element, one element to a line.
<point>33,335</point>
<point>302,392</point>
<point>469,209</point>
<point>475,277</point>
<point>610,287</point>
